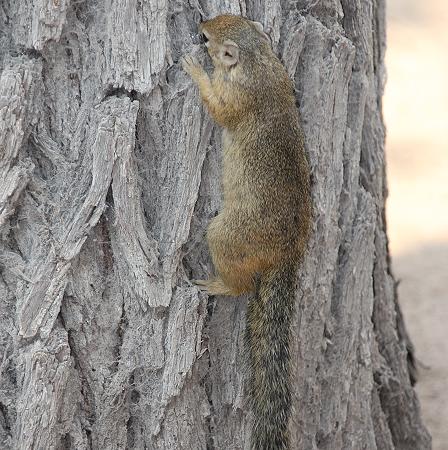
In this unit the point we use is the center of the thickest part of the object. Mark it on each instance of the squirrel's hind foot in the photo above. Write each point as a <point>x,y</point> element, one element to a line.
<point>214,286</point>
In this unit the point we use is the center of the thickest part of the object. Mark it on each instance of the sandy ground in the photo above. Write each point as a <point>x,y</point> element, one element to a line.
<point>424,299</point>
<point>416,115</point>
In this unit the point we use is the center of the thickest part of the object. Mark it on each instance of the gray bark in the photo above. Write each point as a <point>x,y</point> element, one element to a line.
<point>109,174</point>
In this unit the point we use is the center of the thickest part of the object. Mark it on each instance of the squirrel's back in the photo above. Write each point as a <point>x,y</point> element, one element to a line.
<point>266,176</point>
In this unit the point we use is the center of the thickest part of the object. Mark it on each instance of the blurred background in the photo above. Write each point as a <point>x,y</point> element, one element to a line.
<point>416,116</point>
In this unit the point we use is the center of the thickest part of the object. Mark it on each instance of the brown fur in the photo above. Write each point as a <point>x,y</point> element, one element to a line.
<point>264,224</point>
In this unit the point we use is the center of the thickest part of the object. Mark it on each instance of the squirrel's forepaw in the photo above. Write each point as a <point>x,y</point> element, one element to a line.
<point>191,65</point>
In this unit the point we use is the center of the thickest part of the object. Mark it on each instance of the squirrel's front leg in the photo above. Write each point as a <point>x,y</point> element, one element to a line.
<point>192,66</point>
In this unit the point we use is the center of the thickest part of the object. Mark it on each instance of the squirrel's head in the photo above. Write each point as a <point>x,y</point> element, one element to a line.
<point>231,39</point>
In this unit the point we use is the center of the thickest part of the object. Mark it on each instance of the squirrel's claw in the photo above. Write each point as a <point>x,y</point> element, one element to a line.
<point>189,63</point>
<point>192,66</point>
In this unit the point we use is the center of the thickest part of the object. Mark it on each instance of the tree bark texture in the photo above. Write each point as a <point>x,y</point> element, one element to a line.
<point>109,174</point>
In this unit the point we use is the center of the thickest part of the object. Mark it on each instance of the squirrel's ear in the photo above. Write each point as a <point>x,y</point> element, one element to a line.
<point>259,27</point>
<point>229,53</point>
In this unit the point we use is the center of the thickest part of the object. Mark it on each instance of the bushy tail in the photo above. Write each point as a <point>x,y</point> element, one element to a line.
<point>269,317</point>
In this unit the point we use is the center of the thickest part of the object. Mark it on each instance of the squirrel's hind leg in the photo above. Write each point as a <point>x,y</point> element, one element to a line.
<point>214,286</point>
<point>217,286</point>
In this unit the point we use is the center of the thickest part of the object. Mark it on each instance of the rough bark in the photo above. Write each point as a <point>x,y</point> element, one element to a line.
<point>109,174</point>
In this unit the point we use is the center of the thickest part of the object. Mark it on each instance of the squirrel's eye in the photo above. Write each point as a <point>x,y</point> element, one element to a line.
<point>204,38</point>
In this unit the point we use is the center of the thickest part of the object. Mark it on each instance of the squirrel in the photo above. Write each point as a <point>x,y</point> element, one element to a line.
<point>259,238</point>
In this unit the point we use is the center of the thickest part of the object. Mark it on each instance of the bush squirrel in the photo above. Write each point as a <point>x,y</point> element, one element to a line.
<point>258,239</point>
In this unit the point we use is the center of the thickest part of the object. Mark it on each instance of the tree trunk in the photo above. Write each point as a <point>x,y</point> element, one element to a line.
<point>109,174</point>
